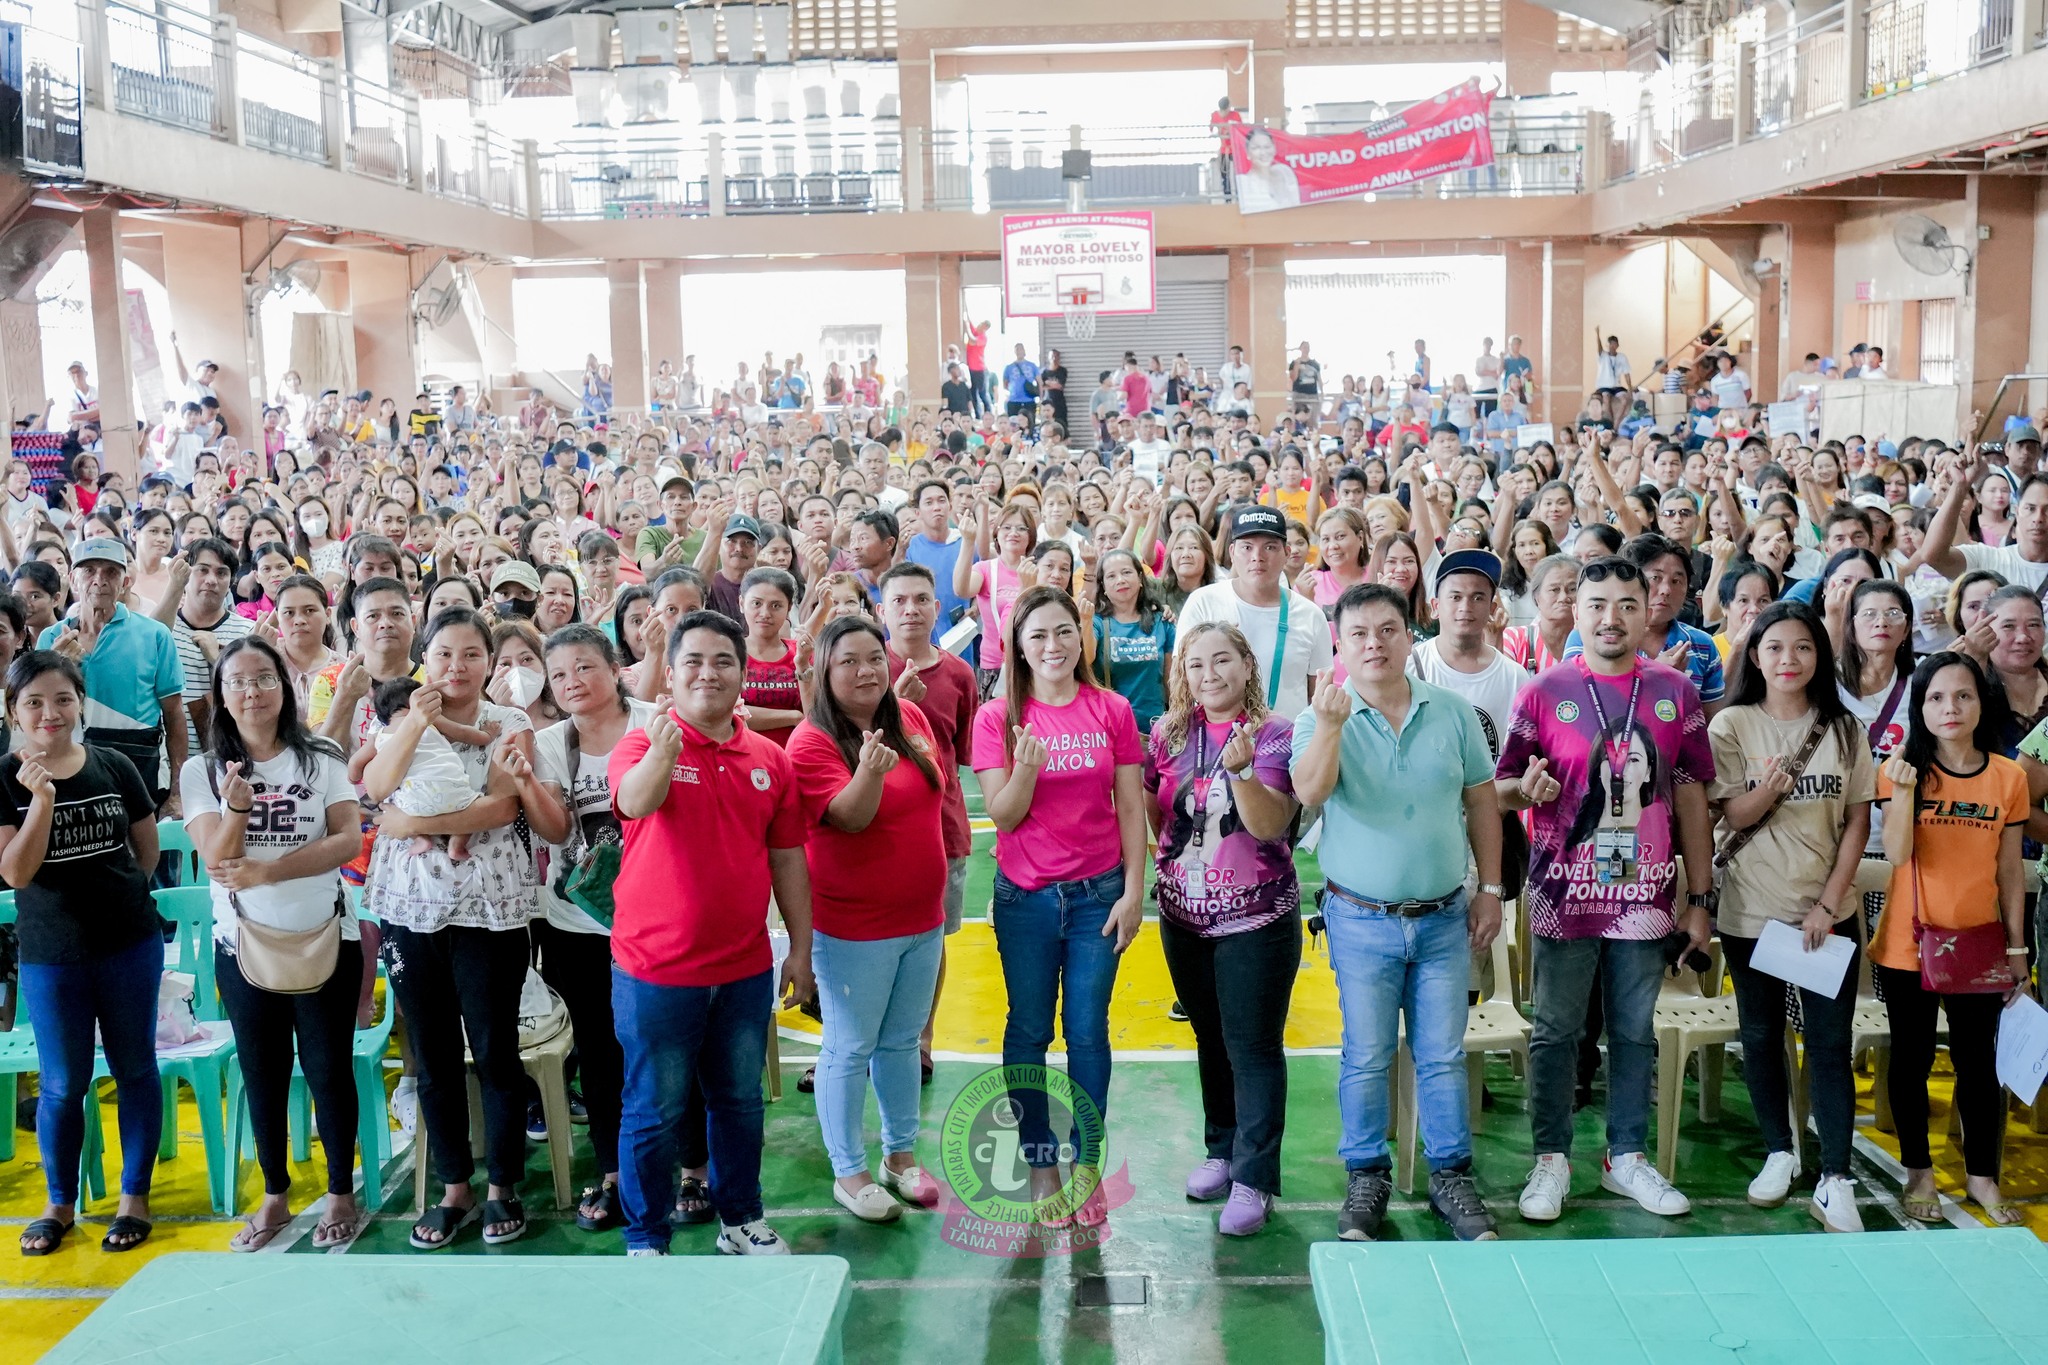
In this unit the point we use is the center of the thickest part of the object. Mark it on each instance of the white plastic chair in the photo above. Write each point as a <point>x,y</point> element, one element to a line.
<point>1692,1016</point>
<point>1492,1025</point>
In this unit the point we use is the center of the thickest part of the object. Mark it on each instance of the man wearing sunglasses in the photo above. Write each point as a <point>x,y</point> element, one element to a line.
<point>1610,751</point>
<point>1664,570</point>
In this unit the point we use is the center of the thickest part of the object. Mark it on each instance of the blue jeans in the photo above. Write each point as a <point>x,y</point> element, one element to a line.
<point>1388,965</point>
<point>1054,952</point>
<point>875,995</point>
<point>719,1034</point>
<point>64,1003</point>
<point>1630,970</point>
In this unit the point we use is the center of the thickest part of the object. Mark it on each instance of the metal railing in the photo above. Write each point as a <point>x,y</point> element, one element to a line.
<point>1915,42</point>
<point>166,66</point>
<point>1801,73</point>
<point>379,123</point>
<point>795,168</point>
<point>284,99</point>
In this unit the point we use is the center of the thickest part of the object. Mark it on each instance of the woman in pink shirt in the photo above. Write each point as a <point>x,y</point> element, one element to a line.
<point>1061,771</point>
<point>993,584</point>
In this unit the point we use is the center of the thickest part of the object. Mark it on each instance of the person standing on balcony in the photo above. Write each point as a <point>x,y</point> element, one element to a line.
<point>1612,380</point>
<point>1222,122</point>
<point>977,362</point>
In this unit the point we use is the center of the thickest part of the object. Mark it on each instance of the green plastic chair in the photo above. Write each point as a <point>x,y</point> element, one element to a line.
<point>172,837</point>
<point>17,1053</point>
<point>189,909</point>
<point>373,1122</point>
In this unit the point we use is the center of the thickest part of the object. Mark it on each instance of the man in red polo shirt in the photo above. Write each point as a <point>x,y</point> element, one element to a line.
<point>944,688</point>
<point>712,825</point>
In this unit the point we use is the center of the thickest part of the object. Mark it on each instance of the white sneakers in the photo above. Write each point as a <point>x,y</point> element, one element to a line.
<point>1543,1197</point>
<point>753,1238</point>
<point>872,1205</point>
<point>1834,1204</point>
<point>1633,1175</point>
<point>1773,1184</point>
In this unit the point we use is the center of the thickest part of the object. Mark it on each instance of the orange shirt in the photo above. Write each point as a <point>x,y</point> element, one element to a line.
<point>1955,856</point>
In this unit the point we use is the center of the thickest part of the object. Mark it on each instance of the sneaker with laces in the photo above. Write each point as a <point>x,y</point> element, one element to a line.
<point>646,1251</point>
<point>1210,1180</point>
<point>1549,1185</point>
<point>536,1123</point>
<point>1246,1212</point>
<point>1365,1206</point>
<point>1773,1184</point>
<point>752,1238</point>
<point>1632,1174</point>
<point>1454,1197</point>
<point>1834,1204</point>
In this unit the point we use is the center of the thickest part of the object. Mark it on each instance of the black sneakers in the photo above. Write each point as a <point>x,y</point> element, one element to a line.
<point>1454,1197</point>
<point>1365,1205</point>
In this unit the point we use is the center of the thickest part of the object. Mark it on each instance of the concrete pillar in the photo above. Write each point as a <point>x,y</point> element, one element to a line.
<point>1237,299</point>
<point>951,304</point>
<point>1268,339</point>
<point>380,308</point>
<point>714,173</point>
<point>1561,358</point>
<point>664,299</point>
<point>1856,29</point>
<point>203,275</point>
<point>1772,362</point>
<point>1809,275</point>
<point>1269,86</point>
<point>914,119</point>
<point>1528,43</point>
<point>629,336</point>
<point>227,101</point>
<point>493,285</point>
<point>331,114</point>
<point>101,228</point>
<point>1993,330</point>
<point>1745,91</point>
<point>1524,304</point>
<point>925,297</point>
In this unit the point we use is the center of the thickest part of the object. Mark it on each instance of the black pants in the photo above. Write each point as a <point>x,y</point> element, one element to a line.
<point>1235,990</point>
<point>977,380</point>
<point>1972,1050</point>
<point>323,1023</point>
<point>579,968</point>
<point>1760,1004</point>
<point>450,981</point>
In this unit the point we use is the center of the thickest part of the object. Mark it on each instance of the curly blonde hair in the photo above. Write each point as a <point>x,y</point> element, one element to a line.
<point>1181,708</point>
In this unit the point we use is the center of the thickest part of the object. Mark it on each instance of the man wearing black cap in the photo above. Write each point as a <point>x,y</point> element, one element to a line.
<point>1459,659</point>
<point>736,551</point>
<point>1288,633</point>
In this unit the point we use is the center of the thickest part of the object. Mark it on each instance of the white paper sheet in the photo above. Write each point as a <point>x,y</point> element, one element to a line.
<point>2023,1047</point>
<point>1786,419</point>
<point>1529,433</point>
<point>1781,951</point>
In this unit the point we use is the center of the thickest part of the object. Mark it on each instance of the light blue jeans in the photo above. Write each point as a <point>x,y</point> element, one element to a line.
<point>875,995</point>
<point>1387,965</point>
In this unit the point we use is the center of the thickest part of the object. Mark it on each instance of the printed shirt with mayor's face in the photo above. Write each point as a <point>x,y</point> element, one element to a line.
<point>1555,719</point>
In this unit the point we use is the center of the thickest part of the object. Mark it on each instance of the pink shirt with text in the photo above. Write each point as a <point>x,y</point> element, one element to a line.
<point>1071,831</point>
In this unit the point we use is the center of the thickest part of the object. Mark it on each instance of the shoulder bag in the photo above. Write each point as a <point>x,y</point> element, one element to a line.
<point>284,961</point>
<point>1740,839</point>
<point>588,870</point>
<point>1959,961</point>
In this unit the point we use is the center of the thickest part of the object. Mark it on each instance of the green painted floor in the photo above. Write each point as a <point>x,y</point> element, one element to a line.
<point>1210,1299</point>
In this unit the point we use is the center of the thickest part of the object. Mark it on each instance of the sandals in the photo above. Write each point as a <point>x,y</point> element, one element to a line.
<point>445,1219</point>
<point>2001,1213</point>
<point>504,1211</point>
<point>251,1237</point>
<point>331,1233</point>
<point>1923,1210</point>
<point>605,1198</point>
<point>135,1230</point>
<point>693,1202</point>
<point>49,1231</point>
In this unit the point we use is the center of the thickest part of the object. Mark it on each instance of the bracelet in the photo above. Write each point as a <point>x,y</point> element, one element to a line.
<point>2010,951</point>
<point>242,810</point>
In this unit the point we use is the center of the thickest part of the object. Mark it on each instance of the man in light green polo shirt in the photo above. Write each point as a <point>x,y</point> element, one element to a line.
<point>1403,772</point>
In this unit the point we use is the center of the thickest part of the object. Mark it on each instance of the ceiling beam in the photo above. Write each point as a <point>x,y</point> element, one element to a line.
<point>1911,186</point>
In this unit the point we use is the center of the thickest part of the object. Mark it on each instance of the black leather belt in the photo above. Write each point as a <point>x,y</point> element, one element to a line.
<point>1408,909</point>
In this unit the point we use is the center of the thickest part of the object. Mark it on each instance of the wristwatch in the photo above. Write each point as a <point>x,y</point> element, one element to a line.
<point>1494,889</point>
<point>1239,774</point>
<point>1703,902</point>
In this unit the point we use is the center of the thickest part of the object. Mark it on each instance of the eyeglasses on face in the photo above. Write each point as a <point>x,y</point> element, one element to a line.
<point>262,682</point>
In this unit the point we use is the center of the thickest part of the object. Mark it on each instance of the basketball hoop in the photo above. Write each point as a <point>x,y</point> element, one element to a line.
<point>1080,314</point>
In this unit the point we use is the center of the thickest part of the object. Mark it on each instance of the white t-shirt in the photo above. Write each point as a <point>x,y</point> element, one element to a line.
<point>290,812</point>
<point>1229,376</point>
<point>2005,561</point>
<point>1491,690</point>
<point>1148,460</point>
<point>1309,649</point>
<point>592,794</point>
<point>1611,369</point>
<point>1731,390</point>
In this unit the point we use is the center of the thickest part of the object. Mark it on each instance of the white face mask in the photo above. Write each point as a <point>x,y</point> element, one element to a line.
<point>315,525</point>
<point>523,686</point>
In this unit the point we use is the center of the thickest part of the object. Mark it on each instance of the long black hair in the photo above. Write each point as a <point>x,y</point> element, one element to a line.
<point>1920,747</point>
<point>629,649</point>
<point>1822,693</point>
<point>828,716</point>
<point>224,738</point>
<point>1853,660</point>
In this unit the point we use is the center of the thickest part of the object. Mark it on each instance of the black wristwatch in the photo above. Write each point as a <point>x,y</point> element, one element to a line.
<point>1700,901</point>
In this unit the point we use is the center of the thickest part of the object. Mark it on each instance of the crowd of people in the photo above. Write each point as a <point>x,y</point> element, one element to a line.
<point>677,709</point>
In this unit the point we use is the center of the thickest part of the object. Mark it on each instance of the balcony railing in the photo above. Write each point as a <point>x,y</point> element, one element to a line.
<point>379,141</point>
<point>284,99</point>
<point>166,67</point>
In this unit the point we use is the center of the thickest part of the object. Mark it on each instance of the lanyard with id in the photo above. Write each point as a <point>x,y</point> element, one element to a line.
<point>1614,849</point>
<point>1279,653</point>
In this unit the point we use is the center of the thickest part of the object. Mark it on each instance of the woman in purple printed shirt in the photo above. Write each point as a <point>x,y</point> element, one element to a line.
<point>1222,806</point>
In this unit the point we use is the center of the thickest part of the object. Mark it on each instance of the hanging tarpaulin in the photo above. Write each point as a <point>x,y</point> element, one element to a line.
<point>1278,170</point>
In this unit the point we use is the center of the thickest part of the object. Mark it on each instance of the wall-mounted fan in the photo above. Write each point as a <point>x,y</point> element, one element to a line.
<point>1926,246</point>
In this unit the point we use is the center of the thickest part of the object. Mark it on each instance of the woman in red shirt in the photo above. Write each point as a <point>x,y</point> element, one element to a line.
<point>772,693</point>
<point>872,794</point>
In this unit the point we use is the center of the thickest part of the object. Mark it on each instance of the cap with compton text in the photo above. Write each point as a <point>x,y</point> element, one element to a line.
<point>1258,521</point>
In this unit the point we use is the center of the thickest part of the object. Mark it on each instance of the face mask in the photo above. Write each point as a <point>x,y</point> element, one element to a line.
<point>524,684</point>
<point>315,526</point>
<point>512,606</point>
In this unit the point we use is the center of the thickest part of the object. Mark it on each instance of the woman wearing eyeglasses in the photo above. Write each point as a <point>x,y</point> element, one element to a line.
<point>271,810</point>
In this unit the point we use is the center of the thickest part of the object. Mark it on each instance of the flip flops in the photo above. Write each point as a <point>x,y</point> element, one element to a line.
<point>50,1231</point>
<point>135,1230</point>
<point>329,1233</point>
<point>251,1237</point>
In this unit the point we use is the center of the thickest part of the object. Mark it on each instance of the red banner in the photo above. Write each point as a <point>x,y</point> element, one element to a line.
<point>1277,170</point>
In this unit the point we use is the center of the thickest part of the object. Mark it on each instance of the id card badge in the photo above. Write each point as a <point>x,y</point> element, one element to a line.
<point>1614,850</point>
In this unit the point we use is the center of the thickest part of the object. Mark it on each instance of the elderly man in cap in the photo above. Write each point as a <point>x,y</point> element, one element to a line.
<point>132,674</point>
<point>1287,632</point>
<point>736,550</point>
<point>1404,774</point>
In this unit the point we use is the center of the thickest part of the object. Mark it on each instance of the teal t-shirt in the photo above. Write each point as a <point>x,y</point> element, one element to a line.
<point>1129,660</point>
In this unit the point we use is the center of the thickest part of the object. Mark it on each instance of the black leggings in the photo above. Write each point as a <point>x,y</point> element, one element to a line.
<point>579,968</point>
<point>450,982</point>
<point>1972,1050</point>
<point>324,1025</point>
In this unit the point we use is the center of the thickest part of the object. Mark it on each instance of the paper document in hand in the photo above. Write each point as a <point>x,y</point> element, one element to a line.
<point>1781,951</point>
<point>2023,1047</point>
